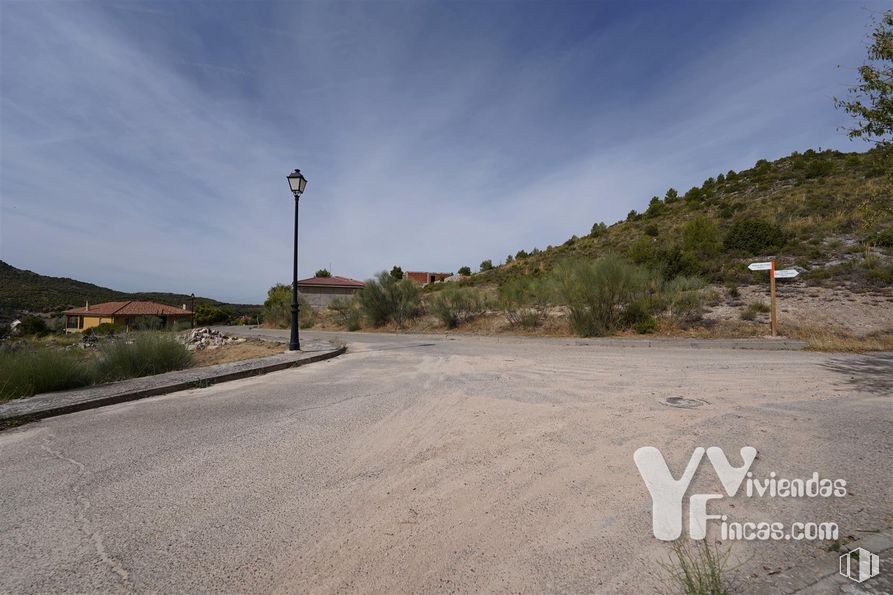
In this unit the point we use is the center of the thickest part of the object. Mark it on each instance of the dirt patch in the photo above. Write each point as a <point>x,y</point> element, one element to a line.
<point>253,348</point>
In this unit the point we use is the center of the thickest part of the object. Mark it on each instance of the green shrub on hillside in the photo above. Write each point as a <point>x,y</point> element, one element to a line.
<point>486,265</point>
<point>33,325</point>
<point>597,292</point>
<point>385,299</point>
<point>464,271</point>
<point>523,301</point>
<point>884,238</point>
<point>454,305</point>
<point>701,236</point>
<point>754,236</point>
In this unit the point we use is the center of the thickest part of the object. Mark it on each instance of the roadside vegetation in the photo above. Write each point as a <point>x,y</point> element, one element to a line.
<point>32,366</point>
<point>698,568</point>
<point>276,311</point>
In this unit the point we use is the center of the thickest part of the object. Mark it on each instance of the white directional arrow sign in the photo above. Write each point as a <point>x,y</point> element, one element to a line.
<point>760,266</point>
<point>786,273</point>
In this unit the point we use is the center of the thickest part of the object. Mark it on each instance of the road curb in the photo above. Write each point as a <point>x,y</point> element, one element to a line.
<point>59,403</point>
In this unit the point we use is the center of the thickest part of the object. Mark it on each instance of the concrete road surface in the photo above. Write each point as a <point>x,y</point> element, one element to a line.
<point>436,464</point>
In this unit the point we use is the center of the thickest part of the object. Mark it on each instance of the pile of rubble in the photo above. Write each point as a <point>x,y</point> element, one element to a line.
<point>206,338</point>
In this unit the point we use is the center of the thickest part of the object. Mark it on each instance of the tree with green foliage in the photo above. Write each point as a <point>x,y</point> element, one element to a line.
<point>397,272</point>
<point>521,255</point>
<point>486,265</point>
<point>276,311</point>
<point>671,196</point>
<point>870,102</point>
<point>322,273</point>
<point>465,271</point>
<point>33,325</point>
<point>598,229</point>
<point>655,207</point>
<point>206,315</point>
<point>509,259</point>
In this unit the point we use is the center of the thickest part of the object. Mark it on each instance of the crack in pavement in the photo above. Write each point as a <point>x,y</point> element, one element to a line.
<point>86,527</point>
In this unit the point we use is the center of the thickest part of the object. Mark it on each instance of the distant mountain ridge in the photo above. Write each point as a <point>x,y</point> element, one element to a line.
<point>23,290</point>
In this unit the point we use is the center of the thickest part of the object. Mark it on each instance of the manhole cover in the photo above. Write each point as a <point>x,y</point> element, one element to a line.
<point>682,402</point>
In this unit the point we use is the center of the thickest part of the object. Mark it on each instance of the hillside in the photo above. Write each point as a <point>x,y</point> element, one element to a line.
<point>22,290</point>
<point>829,214</point>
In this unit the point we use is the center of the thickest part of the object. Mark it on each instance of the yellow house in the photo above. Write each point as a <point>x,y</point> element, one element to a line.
<point>123,314</point>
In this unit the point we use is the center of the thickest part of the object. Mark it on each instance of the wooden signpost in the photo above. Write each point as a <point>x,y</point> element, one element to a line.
<point>773,275</point>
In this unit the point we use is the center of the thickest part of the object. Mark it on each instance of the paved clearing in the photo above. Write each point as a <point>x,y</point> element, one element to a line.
<point>426,463</point>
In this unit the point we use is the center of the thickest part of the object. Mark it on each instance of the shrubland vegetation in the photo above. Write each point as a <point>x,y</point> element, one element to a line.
<point>386,299</point>
<point>35,366</point>
<point>276,311</point>
<point>807,209</point>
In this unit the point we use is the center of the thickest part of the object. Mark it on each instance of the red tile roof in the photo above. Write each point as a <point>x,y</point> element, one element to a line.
<point>334,281</point>
<point>129,309</point>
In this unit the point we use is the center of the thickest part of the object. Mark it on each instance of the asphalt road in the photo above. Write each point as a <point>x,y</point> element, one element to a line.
<point>432,463</point>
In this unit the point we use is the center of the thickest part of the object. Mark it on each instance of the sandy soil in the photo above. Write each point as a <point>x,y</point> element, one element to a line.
<point>236,352</point>
<point>798,305</point>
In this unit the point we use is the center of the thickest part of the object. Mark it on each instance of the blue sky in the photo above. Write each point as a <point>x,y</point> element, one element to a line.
<point>144,146</point>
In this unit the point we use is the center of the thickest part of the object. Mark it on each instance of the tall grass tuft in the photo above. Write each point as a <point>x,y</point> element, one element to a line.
<point>698,568</point>
<point>148,354</point>
<point>26,372</point>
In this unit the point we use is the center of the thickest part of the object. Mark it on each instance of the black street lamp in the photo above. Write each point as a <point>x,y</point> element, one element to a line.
<point>297,182</point>
<point>192,323</point>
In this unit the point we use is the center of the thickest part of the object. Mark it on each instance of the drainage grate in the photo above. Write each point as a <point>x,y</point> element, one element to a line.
<point>682,402</point>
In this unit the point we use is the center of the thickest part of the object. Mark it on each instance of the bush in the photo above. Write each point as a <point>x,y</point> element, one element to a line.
<point>598,229</point>
<point>884,238</point>
<point>524,300</point>
<point>465,271</point>
<point>597,292</point>
<point>648,325</point>
<point>322,273</point>
<point>33,325</point>
<point>684,298</point>
<point>347,313</point>
<point>25,372</point>
<point>701,236</point>
<point>105,329</point>
<point>148,323</point>
<point>206,315</point>
<point>386,299</point>
<point>486,265</point>
<point>754,236</point>
<point>457,305</point>
<point>276,311</point>
<point>149,353</point>
<point>397,272</point>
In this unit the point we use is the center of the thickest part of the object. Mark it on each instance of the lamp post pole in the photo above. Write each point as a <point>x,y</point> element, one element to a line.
<point>192,321</point>
<point>296,182</point>
<point>294,344</point>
